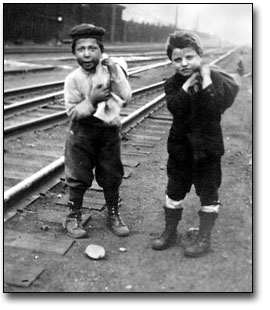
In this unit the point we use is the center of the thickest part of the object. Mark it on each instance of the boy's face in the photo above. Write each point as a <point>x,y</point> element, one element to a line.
<point>185,61</point>
<point>88,53</point>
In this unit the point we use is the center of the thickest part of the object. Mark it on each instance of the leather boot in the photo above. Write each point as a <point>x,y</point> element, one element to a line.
<point>169,235</point>
<point>115,223</point>
<point>203,243</point>
<point>72,222</point>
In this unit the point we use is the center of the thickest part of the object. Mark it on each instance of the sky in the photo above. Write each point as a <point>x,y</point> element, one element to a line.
<point>232,22</point>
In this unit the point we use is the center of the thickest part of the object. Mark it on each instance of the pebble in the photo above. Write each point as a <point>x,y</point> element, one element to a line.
<point>95,251</point>
<point>122,249</point>
<point>129,287</point>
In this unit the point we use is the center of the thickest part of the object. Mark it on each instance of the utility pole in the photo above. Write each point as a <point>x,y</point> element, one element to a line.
<point>176,17</point>
<point>113,22</point>
<point>124,31</point>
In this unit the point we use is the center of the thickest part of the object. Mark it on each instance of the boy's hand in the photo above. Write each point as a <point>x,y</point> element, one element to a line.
<point>191,81</point>
<point>110,63</point>
<point>205,71</point>
<point>206,76</point>
<point>98,94</point>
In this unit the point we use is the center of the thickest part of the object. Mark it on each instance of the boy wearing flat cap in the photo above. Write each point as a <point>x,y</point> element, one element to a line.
<point>94,95</point>
<point>196,96</point>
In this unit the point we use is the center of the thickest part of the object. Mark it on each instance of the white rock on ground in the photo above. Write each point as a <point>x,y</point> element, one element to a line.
<point>95,251</point>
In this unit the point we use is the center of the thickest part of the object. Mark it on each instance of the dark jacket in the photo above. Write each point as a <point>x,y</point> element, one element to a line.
<point>197,116</point>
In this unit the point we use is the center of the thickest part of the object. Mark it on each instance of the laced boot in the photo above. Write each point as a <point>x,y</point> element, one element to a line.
<point>169,235</point>
<point>203,243</point>
<point>72,223</point>
<point>115,223</point>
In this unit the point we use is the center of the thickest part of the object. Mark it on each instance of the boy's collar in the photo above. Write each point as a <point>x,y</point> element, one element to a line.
<point>87,73</point>
<point>180,78</point>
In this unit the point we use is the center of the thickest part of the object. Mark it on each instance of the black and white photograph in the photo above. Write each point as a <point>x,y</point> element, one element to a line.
<point>128,148</point>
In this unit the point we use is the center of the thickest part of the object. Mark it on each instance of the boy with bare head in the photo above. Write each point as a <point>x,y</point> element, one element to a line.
<point>196,96</point>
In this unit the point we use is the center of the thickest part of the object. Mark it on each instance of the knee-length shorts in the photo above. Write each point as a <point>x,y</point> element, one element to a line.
<point>183,171</point>
<point>93,150</point>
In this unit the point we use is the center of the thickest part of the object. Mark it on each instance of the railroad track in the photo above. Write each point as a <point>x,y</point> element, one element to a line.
<point>50,146</point>
<point>142,130</point>
<point>48,110</point>
<point>23,95</point>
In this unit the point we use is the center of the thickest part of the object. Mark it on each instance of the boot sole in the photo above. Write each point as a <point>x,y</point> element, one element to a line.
<point>167,245</point>
<point>85,235</point>
<point>119,234</point>
<point>194,255</point>
<point>124,234</point>
<point>161,248</point>
<point>77,237</point>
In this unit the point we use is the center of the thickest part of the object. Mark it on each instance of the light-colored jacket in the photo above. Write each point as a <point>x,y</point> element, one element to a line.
<point>78,87</point>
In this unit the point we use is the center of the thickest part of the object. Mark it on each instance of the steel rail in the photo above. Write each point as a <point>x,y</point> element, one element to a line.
<point>11,130</point>
<point>16,191</point>
<point>45,86</point>
<point>66,49</point>
<point>45,99</point>
<point>154,55</point>
<point>48,98</point>
<point>148,67</point>
<point>146,88</point>
<point>133,71</point>
<point>31,103</point>
<point>128,122</point>
<point>45,120</point>
<point>37,87</point>
<point>226,55</point>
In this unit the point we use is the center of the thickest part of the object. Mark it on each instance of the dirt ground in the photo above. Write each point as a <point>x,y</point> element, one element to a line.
<point>228,268</point>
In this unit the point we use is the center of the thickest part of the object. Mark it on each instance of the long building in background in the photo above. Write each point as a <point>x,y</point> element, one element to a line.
<point>51,22</point>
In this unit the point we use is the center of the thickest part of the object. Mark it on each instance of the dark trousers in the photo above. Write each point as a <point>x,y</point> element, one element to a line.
<point>205,174</point>
<point>93,149</point>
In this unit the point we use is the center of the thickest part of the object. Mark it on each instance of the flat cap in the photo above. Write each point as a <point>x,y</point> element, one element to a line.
<point>87,31</point>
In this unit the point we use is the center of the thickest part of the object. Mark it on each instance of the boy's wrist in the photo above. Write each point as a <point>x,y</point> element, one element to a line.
<point>185,88</point>
<point>206,81</point>
<point>92,103</point>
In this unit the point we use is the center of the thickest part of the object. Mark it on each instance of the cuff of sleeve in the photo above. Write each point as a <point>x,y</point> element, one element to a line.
<point>208,91</point>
